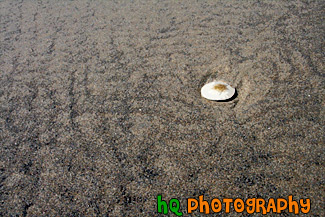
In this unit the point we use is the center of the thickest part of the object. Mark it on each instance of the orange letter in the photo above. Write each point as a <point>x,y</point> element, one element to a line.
<point>260,205</point>
<point>190,208</point>
<point>292,204</point>
<point>227,202</point>
<point>218,207</point>
<point>306,207</point>
<point>250,203</point>
<point>239,205</point>
<point>204,203</point>
<point>278,204</point>
<point>271,205</point>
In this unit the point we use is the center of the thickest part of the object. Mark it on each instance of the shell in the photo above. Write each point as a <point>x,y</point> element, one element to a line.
<point>217,90</point>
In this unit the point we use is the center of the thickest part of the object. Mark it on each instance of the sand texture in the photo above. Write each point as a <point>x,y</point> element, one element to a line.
<point>101,108</point>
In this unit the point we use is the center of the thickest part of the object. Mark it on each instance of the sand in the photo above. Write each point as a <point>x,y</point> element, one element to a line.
<point>101,108</point>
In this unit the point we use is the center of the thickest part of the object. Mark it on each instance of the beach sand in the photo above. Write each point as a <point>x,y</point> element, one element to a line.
<point>101,108</point>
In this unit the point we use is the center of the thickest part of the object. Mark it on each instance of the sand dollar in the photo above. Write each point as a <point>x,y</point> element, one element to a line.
<point>217,90</point>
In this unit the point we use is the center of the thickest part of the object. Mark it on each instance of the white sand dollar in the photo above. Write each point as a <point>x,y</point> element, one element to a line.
<point>217,90</point>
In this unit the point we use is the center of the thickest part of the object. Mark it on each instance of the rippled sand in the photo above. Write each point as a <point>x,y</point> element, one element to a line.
<point>101,108</point>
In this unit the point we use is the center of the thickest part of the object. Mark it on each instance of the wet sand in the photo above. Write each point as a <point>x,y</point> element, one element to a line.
<point>101,108</point>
